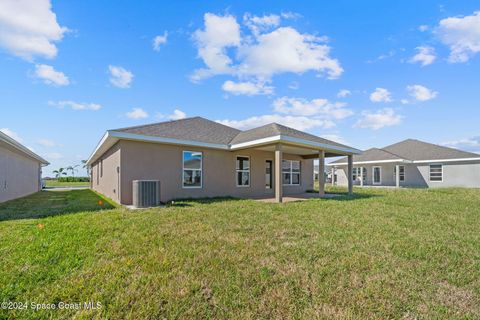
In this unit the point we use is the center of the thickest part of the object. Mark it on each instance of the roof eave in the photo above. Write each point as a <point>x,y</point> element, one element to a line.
<point>16,145</point>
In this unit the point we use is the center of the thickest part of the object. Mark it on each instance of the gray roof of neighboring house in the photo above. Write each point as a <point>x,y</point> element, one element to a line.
<point>21,148</point>
<point>194,129</point>
<point>275,129</point>
<point>410,149</point>
<point>204,130</point>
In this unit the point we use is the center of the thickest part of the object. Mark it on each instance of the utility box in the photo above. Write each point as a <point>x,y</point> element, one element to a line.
<point>146,193</point>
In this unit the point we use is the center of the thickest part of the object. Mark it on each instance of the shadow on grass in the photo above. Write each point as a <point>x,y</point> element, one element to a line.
<point>52,203</point>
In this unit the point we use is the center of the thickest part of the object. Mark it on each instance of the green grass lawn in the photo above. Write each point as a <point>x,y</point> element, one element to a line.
<point>384,254</point>
<point>56,183</point>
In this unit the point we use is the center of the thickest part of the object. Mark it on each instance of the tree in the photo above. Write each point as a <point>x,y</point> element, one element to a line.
<point>60,172</point>
<point>86,167</point>
<point>73,169</point>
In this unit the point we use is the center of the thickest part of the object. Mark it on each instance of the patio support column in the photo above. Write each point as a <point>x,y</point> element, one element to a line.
<point>350,174</point>
<point>321,173</point>
<point>278,173</point>
<point>397,176</point>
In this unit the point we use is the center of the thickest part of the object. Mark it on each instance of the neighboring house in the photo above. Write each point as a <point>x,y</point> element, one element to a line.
<point>412,163</point>
<point>196,157</point>
<point>20,169</point>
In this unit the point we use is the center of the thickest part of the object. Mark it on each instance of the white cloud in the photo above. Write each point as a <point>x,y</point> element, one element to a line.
<point>47,143</point>
<point>379,119</point>
<point>159,40</point>
<point>246,88</point>
<point>257,24</point>
<point>421,93</point>
<point>343,93</point>
<point>294,85</point>
<point>381,95</point>
<point>50,76</point>
<point>286,50</point>
<point>469,144</point>
<point>297,122</point>
<point>120,77</point>
<point>75,105</point>
<point>261,54</point>
<point>425,55</point>
<point>220,32</point>
<point>320,108</point>
<point>54,156</point>
<point>29,28</point>
<point>423,28</point>
<point>12,134</point>
<point>176,115</point>
<point>404,101</point>
<point>461,35</point>
<point>137,113</point>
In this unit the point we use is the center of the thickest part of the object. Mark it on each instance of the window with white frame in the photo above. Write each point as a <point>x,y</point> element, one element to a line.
<point>436,172</point>
<point>291,172</point>
<point>243,171</point>
<point>357,173</point>
<point>402,172</point>
<point>192,169</point>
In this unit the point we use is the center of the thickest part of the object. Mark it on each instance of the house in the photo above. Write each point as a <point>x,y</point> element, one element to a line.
<point>20,169</point>
<point>412,163</point>
<point>196,157</point>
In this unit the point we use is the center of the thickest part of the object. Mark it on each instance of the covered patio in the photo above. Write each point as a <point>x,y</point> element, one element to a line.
<point>307,149</point>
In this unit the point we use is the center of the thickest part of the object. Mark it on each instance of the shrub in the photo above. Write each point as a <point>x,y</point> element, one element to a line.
<point>74,179</point>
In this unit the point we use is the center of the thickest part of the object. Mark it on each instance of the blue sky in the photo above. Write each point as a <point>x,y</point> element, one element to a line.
<point>366,74</point>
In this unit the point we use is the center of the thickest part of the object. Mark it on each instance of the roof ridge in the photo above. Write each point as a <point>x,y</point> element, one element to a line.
<point>432,144</point>
<point>396,155</point>
<point>154,123</point>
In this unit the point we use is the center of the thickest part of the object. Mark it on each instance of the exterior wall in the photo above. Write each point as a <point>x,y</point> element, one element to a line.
<point>107,180</point>
<point>151,161</point>
<point>19,174</point>
<point>455,174</point>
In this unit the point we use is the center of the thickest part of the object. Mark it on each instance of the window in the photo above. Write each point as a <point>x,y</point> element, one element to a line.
<point>436,172</point>
<point>101,168</point>
<point>357,173</point>
<point>377,175</point>
<point>291,172</point>
<point>268,174</point>
<point>402,173</point>
<point>243,171</point>
<point>192,169</point>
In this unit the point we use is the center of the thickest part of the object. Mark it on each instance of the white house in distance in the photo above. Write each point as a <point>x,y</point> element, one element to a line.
<point>411,163</point>
<point>20,169</point>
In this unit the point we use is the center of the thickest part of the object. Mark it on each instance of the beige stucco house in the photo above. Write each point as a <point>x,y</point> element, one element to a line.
<point>411,163</point>
<point>20,169</point>
<point>196,157</point>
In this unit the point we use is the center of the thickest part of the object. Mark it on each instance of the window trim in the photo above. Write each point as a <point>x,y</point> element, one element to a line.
<point>430,172</point>
<point>291,173</point>
<point>201,170</point>
<point>400,174</point>
<point>242,170</point>
<point>373,175</point>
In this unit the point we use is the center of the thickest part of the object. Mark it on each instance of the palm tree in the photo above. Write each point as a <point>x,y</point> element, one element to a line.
<point>60,172</point>
<point>72,169</point>
<point>86,167</point>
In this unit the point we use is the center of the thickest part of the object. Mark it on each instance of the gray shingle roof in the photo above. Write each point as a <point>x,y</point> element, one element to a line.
<point>204,130</point>
<point>193,129</point>
<point>418,150</point>
<point>410,149</point>
<point>275,129</point>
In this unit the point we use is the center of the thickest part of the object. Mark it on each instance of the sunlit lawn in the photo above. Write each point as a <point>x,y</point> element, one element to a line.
<point>384,254</point>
